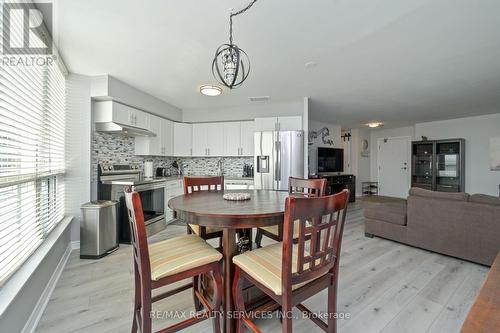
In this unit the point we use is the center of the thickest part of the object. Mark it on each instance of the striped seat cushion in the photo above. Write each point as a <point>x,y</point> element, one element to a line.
<point>264,265</point>
<point>180,254</point>
<point>209,230</point>
<point>273,229</point>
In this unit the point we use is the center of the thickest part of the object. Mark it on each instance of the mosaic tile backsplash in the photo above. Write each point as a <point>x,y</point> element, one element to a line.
<point>116,149</point>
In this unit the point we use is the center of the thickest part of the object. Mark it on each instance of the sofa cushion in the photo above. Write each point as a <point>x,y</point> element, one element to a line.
<point>392,213</point>
<point>484,199</point>
<point>456,196</point>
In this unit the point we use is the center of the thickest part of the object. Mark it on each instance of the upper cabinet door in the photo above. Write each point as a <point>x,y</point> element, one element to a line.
<point>247,130</point>
<point>141,119</point>
<point>151,145</point>
<point>182,139</point>
<point>167,137</point>
<point>200,140</point>
<point>121,114</point>
<point>215,139</point>
<point>290,123</point>
<point>109,111</point>
<point>265,124</point>
<point>232,134</point>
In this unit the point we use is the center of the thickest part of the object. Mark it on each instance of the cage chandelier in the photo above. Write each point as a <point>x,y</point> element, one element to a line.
<point>231,64</point>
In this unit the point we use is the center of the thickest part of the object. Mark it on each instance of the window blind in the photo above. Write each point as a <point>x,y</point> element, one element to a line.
<point>32,145</point>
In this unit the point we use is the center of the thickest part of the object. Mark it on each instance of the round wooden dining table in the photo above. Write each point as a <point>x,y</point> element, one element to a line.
<point>210,209</point>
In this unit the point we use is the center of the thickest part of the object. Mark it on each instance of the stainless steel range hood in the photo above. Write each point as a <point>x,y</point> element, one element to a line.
<point>115,128</point>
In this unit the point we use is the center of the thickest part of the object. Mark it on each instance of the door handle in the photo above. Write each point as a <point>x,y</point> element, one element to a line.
<point>278,161</point>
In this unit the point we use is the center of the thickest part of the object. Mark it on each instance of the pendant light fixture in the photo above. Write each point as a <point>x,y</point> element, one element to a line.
<point>231,64</point>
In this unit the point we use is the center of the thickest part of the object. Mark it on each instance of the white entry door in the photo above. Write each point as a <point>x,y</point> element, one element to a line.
<point>394,166</point>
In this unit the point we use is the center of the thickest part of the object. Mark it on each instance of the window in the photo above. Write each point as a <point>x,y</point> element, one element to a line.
<point>32,144</point>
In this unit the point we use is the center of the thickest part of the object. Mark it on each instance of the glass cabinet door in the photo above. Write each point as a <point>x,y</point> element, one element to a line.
<point>448,167</point>
<point>422,168</point>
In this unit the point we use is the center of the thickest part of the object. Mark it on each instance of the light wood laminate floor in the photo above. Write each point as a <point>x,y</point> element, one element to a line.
<point>384,286</point>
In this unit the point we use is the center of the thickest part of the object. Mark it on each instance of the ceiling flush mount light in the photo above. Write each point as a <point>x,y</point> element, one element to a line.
<point>208,90</point>
<point>374,124</point>
<point>231,64</point>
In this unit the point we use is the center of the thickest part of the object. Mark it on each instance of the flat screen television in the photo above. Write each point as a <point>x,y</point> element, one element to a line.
<point>330,159</point>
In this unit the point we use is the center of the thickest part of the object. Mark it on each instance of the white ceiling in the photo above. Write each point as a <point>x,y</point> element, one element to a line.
<point>397,61</point>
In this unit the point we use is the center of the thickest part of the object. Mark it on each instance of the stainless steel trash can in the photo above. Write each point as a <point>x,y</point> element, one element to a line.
<point>98,229</point>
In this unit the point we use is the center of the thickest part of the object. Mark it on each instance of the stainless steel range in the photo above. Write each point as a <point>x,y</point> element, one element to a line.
<point>114,178</point>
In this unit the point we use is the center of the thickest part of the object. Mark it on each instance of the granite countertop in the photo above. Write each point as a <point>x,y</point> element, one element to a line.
<point>225,177</point>
<point>144,181</point>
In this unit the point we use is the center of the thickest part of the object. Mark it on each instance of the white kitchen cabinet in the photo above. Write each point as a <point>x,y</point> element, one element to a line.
<point>246,138</point>
<point>183,139</point>
<point>238,138</point>
<point>239,184</point>
<point>140,119</point>
<point>167,137</point>
<point>208,139</point>
<point>232,138</point>
<point>159,145</point>
<point>199,139</point>
<point>215,139</point>
<point>111,111</point>
<point>292,123</point>
<point>150,146</point>
<point>173,188</point>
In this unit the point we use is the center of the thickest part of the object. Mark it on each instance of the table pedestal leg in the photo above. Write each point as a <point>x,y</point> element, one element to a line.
<point>229,250</point>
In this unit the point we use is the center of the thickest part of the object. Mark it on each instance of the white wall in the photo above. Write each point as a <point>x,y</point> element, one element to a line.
<point>335,136</point>
<point>477,132</point>
<point>385,133</point>
<point>108,87</point>
<point>78,145</point>
<point>360,164</point>
<point>247,112</point>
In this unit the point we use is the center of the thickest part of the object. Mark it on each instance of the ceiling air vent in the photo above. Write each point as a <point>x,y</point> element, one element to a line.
<point>259,98</point>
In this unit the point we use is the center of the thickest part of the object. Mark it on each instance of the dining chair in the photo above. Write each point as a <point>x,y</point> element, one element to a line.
<point>194,185</point>
<point>198,184</point>
<point>166,262</point>
<point>297,186</point>
<point>291,273</point>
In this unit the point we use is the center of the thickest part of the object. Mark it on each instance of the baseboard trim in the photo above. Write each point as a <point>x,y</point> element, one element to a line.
<point>75,245</point>
<point>42,302</point>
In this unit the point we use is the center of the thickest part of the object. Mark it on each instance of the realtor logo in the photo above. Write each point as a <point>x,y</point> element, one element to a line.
<point>24,28</point>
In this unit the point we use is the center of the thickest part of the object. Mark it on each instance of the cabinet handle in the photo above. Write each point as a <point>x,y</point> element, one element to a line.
<point>190,151</point>
<point>208,151</point>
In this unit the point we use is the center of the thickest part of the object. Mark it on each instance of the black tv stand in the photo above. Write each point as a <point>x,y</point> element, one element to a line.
<point>339,182</point>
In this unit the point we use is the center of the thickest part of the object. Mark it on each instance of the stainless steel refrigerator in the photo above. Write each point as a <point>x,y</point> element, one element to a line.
<point>278,155</point>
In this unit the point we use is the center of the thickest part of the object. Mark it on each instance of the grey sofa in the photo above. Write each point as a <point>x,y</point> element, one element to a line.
<point>456,224</point>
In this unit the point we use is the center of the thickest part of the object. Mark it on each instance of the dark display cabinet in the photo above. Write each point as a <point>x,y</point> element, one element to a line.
<point>439,165</point>
<point>337,183</point>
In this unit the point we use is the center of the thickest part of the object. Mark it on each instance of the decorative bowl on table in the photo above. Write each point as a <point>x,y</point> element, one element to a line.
<point>236,196</point>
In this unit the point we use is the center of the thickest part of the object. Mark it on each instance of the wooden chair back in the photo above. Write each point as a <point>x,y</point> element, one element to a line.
<point>321,224</point>
<point>195,184</point>
<point>138,235</point>
<point>307,187</point>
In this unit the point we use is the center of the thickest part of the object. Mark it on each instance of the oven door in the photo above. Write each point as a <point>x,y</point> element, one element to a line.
<point>153,206</point>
